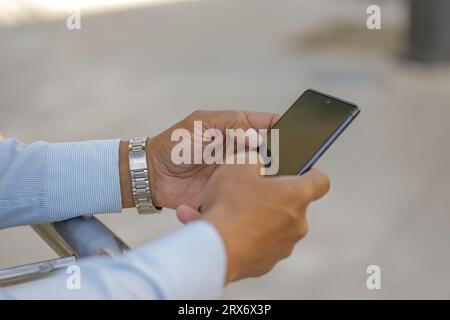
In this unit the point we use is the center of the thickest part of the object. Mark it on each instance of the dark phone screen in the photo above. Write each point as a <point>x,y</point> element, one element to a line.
<point>305,127</point>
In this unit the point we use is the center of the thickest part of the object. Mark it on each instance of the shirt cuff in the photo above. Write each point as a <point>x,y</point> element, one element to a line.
<point>189,263</point>
<point>83,179</point>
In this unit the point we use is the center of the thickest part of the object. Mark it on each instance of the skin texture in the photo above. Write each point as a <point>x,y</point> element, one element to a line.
<point>259,218</point>
<point>171,184</point>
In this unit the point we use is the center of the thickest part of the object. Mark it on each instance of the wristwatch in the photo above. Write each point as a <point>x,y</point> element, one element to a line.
<point>140,181</point>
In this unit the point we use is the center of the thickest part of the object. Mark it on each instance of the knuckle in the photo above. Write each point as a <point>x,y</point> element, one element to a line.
<point>239,114</point>
<point>196,114</point>
<point>302,229</point>
<point>294,205</point>
<point>304,196</point>
<point>240,118</point>
<point>263,270</point>
<point>288,252</point>
<point>292,213</point>
<point>300,197</point>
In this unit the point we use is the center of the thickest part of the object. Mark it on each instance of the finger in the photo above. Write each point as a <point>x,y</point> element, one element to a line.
<point>314,184</point>
<point>186,214</point>
<point>245,162</point>
<point>261,120</point>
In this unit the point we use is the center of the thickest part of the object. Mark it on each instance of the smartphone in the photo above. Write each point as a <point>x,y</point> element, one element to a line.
<point>308,129</point>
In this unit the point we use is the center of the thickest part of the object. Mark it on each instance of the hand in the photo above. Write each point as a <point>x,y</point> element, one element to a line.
<point>260,218</point>
<point>173,185</point>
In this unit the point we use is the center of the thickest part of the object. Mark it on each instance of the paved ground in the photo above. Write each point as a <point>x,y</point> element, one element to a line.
<point>390,183</point>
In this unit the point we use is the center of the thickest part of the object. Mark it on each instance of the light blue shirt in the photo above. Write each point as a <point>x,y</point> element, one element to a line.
<point>44,182</point>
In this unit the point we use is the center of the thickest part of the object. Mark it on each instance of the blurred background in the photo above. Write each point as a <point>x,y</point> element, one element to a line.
<point>136,67</point>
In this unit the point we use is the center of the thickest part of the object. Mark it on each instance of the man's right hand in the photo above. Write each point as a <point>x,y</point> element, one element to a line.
<point>259,218</point>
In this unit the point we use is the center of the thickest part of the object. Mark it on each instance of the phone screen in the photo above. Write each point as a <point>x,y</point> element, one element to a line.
<point>307,129</point>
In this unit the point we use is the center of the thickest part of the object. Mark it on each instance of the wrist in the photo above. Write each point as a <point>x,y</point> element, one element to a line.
<point>154,177</point>
<point>125,178</point>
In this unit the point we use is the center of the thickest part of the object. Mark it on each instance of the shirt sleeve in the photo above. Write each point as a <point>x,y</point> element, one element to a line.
<point>43,182</point>
<point>189,263</point>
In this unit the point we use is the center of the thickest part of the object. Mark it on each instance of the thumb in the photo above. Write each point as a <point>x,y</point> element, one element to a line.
<point>186,214</point>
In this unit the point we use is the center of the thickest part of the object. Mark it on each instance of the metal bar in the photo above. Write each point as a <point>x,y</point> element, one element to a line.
<point>81,237</point>
<point>33,271</point>
<point>75,238</point>
<point>48,233</point>
<point>87,236</point>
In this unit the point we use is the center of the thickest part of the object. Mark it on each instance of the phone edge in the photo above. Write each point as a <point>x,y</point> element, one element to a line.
<point>324,147</point>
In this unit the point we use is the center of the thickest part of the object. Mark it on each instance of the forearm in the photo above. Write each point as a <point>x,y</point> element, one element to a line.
<point>44,182</point>
<point>23,191</point>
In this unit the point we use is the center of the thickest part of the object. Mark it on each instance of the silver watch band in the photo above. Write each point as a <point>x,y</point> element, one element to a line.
<point>140,182</point>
